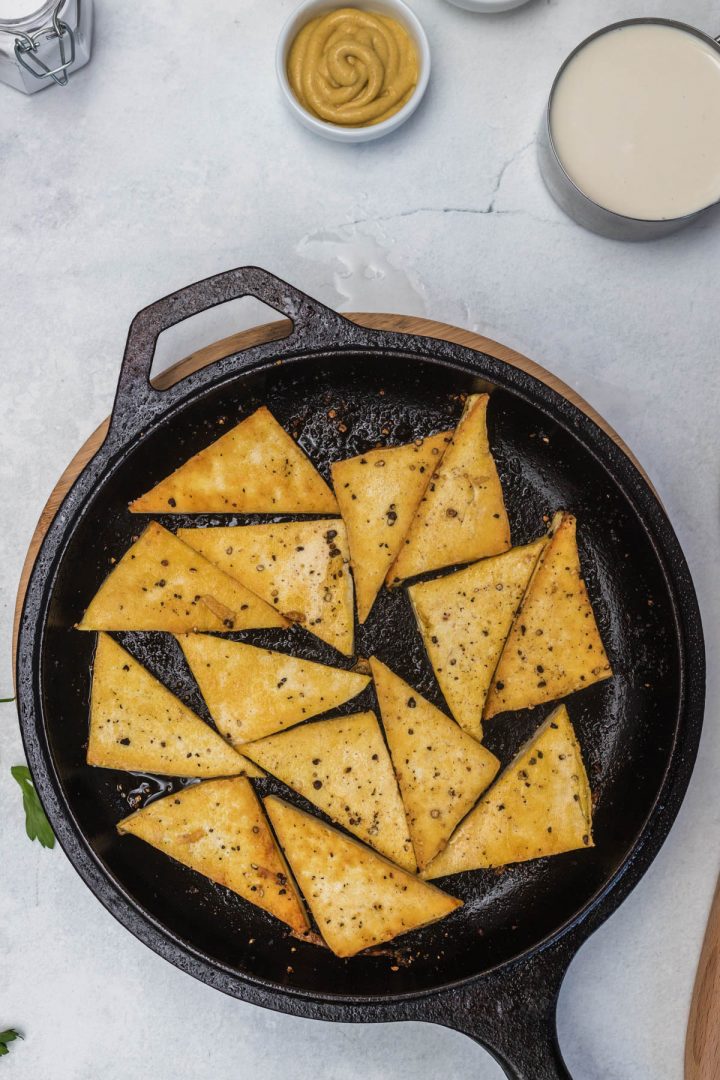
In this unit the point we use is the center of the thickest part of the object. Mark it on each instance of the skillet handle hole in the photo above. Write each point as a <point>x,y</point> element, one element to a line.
<point>211,335</point>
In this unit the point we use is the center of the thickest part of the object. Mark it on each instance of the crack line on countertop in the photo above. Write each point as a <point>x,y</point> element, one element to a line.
<point>503,169</point>
<point>470,210</point>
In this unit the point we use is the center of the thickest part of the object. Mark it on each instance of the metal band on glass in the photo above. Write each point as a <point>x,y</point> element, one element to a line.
<point>27,47</point>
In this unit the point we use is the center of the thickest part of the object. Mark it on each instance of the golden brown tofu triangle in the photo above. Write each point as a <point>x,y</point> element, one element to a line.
<point>464,619</point>
<point>554,647</point>
<point>541,805</point>
<point>218,829</point>
<point>343,767</point>
<point>253,692</point>
<point>162,584</point>
<point>462,516</point>
<point>301,568</point>
<point>137,724</point>
<point>441,771</point>
<point>378,493</point>
<point>357,898</point>
<point>255,468</point>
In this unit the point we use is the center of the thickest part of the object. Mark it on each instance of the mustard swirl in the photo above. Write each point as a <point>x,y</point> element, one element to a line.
<point>353,67</point>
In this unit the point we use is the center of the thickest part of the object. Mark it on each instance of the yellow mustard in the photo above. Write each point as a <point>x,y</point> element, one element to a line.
<point>353,67</point>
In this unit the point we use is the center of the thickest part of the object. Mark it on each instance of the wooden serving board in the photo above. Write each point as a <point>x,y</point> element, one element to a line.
<point>274,331</point>
<point>702,1046</point>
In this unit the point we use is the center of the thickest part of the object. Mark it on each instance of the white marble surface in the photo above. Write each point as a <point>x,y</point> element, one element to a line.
<point>171,157</point>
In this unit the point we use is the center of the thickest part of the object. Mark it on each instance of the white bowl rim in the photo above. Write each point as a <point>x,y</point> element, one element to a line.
<point>487,7</point>
<point>342,132</point>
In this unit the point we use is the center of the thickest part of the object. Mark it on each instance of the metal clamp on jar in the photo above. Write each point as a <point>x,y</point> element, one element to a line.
<point>41,45</point>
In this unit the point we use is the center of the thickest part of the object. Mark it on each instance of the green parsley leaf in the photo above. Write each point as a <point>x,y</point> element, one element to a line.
<point>6,700</point>
<point>7,1037</point>
<point>37,825</point>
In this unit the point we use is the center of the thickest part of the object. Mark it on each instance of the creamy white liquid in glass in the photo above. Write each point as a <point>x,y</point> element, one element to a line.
<point>635,119</point>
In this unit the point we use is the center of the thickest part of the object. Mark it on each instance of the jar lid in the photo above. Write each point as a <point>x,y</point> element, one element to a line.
<point>20,11</point>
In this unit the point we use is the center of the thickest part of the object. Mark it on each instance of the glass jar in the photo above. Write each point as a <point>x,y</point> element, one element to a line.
<point>41,43</point>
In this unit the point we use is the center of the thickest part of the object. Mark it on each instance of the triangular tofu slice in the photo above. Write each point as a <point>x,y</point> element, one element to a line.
<point>255,468</point>
<point>541,805</point>
<point>441,771</point>
<point>219,829</point>
<point>300,567</point>
<point>162,584</point>
<point>343,767</point>
<point>136,724</point>
<point>253,692</point>
<point>554,646</point>
<point>378,493</point>
<point>462,514</point>
<point>465,618</point>
<point>357,897</point>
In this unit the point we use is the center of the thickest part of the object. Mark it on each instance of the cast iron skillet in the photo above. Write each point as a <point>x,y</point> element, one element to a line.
<point>492,970</point>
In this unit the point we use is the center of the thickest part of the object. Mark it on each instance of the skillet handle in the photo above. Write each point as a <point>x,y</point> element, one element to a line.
<point>138,403</point>
<point>512,1014</point>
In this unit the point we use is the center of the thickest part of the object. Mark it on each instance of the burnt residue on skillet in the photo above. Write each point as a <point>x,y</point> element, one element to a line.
<point>626,726</point>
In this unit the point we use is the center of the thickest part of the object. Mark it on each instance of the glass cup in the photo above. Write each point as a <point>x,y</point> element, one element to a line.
<point>569,195</point>
<point>43,44</point>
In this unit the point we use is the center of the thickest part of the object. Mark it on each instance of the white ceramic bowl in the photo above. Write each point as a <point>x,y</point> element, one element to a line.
<point>488,5</point>
<point>307,11</point>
